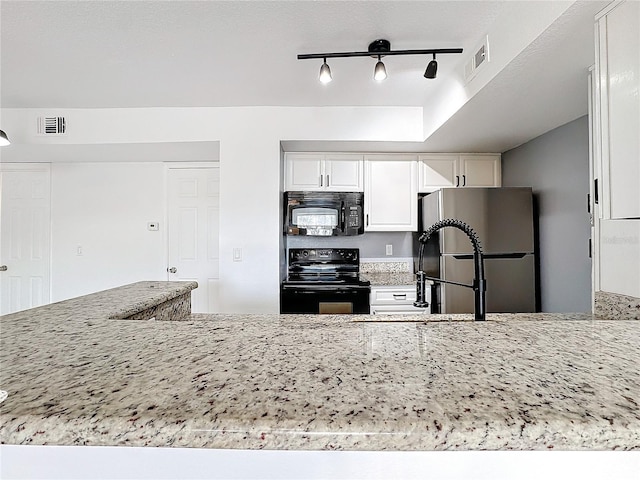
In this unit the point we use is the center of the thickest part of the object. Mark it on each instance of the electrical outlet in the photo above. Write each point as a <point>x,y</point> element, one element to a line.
<point>389,250</point>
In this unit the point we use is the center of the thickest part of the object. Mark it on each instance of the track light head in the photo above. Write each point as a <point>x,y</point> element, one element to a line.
<point>432,68</point>
<point>4,140</point>
<point>325,73</point>
<point>379,72</point>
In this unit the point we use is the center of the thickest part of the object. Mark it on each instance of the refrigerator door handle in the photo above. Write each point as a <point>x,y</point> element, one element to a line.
<point>490,255</point>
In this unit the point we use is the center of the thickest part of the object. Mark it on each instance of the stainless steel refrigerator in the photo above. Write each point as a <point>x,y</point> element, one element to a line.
<point>503,219</point>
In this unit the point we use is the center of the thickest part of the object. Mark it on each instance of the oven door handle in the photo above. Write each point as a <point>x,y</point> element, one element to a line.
<point>325,289</point>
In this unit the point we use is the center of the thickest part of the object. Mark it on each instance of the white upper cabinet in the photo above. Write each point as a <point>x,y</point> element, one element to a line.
<point>444,170</point>
<point>480,170</point>
<point>618,74</point>
<point>344,173</point>
<point>438,171</point>
<point>320,172</point>
<point>391,193</point>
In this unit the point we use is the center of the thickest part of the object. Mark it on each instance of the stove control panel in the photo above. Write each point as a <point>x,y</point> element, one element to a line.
<point>322,255</point>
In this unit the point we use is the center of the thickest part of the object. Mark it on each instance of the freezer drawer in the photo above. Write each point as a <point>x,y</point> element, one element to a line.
<point>510,284</point>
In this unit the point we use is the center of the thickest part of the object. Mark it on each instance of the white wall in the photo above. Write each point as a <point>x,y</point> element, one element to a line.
<point>103,208</point>
<point>518,24</point>
<point>250,170</point>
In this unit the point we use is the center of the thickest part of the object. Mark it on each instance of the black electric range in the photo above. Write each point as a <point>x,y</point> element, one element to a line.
<point>324,280</point>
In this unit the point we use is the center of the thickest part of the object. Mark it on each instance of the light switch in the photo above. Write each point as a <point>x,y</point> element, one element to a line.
<point>237,254</point>
<point>79,250</point>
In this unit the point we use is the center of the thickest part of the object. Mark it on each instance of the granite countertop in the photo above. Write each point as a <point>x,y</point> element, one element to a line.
<point>119,302</point>
<point>389,279</point>
<point>388,273</point>
<point>423,382</point>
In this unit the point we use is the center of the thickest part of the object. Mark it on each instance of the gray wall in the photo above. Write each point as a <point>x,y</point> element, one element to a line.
<point>371,244</point>
<point>556,166</point>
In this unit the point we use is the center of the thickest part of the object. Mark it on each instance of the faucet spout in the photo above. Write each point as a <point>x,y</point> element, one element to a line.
<point>479,284</point>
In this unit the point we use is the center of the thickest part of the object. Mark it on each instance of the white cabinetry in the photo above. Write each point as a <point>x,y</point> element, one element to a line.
<point>441,170</point>
<point>391,193</point>
<point>618,74</point>
<point>395,300</point>
<point>323,172</point>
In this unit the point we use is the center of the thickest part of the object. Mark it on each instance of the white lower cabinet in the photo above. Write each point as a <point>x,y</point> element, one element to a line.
<point>395,300</point>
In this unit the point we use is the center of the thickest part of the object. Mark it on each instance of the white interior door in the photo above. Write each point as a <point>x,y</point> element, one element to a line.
<point>193,212</point>
<point>25,233</point>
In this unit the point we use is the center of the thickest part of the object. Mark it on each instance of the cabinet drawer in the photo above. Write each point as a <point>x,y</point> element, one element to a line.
<point>398,310</point>
<point>396,296</point>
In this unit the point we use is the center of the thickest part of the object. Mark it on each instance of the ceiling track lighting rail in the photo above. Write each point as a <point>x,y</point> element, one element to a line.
<point>435,51</point>
<point>378,49</point>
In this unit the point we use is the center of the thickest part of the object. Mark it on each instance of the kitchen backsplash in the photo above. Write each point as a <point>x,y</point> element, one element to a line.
<point>384,265</point>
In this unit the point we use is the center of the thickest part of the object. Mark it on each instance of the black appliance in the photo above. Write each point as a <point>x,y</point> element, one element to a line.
<point>324,280</point>
<point>323,213</point>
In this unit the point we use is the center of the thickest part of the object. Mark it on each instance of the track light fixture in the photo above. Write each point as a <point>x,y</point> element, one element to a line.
<point>325,73</point>
<point>379,73</point>
<point>432,68</point>
<point>4,140</point>
<point>378,49</point>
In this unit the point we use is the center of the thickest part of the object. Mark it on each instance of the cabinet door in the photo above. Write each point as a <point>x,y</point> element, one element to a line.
<point>344,173</point>
<point>480,171</point>
<point>620,77</point>
<point>391,195</point>
<point>438,171</point>
<point>303,171</point>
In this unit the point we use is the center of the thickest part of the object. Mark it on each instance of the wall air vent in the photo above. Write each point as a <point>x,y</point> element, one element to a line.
<point>52,126</point>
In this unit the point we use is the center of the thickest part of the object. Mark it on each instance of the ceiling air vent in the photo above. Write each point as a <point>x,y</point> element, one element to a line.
<point>52,126</point>
<point>478,59</point>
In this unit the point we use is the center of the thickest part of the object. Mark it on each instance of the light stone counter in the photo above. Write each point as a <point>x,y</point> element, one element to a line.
<point>523,381</point>
<point>389,279</point>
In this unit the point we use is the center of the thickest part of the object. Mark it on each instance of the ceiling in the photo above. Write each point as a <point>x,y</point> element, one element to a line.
<point>104,54</point>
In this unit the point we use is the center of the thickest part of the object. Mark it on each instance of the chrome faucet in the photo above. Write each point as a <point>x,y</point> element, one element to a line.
<point>479,284</point>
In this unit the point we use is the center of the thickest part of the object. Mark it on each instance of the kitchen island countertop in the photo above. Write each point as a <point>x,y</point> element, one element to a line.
<point>75,376</point>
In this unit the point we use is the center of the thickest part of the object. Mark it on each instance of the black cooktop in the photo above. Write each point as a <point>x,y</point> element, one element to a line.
<point>324,267</point>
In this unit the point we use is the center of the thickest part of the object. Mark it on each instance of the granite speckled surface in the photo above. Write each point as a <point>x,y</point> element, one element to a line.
<point>386,266</point>
<point>615,306</point>
<point>518,381</point>
<point>389,279</point>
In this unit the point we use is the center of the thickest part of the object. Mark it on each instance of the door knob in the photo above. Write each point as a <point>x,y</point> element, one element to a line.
<point>172,270</point>
<point>3,268</point>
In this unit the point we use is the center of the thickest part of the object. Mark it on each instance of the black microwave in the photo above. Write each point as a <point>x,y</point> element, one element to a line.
<point>323,213</point>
